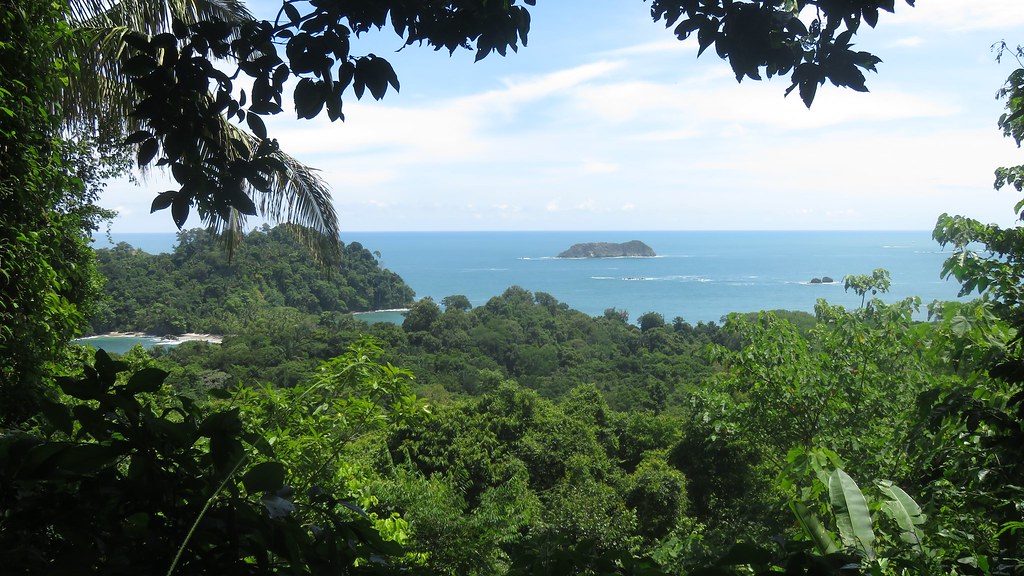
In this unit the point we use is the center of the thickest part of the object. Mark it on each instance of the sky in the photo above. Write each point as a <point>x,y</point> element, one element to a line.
<point>605,121</point>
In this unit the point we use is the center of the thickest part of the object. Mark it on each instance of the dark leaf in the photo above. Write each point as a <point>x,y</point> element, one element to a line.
<point>706,35</point>
<point>139,65</point>
<point>147,151</point>
<point>58,415</point>
<point>107,368</point>
<point>219,393</point>
<point>292,13</point>
<point>353,508</point>
<point>686,27</point>
<point>276,506</point>
<point>137,137</point>
<point>264,477</point>
<point>165,41</point>
<point>334,105</point>
<point>389,73</point>
<point>871,16</point>
<point>746,553</point>
<point>808,89</point>
<point>180,208</point>
<point>225,422</point>
<point>88,458</point>
<point>281,73</point>
<point>309,98</point>
<point>260,443</point>
<point>179,28</point>
<point>240,201</point>
<point>146,380</point>
<point>180,172</point>
<point>82,389</point>
<point>163,200</point>
<point>225,451</point>
<point>63,458</point>
<point>259,129</point>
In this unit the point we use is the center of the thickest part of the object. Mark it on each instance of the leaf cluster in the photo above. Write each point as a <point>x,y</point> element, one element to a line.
<point>809,40</point>
<point>121,482</point>
<point>183,97</point>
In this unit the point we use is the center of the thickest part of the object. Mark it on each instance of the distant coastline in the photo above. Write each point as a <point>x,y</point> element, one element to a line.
<point>391,315</point>
<point>382,310</point>
<point>700,276</point>
<point>168,339</point>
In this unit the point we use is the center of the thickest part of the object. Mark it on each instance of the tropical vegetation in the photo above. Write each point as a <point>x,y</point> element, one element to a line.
<point>517,437</point>
<point>202,288</point>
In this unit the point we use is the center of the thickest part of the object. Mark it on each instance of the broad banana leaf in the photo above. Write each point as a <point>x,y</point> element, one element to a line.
<point>852,515</point>
<point>813,529</point>
<point>904,511</point>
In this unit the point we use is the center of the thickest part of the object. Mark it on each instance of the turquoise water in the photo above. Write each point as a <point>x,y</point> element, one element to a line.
<point>392,316</point>
<point>122,344</point>
<point>699,276</point>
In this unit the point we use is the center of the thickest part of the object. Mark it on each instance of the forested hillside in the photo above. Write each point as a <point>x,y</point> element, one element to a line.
<point>201,287</point>
<point>456,350</point>
<point>554,442</point>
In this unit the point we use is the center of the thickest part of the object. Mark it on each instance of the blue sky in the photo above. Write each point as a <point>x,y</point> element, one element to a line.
<point>606,122</point>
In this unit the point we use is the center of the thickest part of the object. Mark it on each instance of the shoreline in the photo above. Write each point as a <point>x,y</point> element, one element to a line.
<point>166,339</point>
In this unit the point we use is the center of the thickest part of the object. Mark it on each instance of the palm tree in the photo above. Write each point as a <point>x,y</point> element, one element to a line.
<point>101,98</point>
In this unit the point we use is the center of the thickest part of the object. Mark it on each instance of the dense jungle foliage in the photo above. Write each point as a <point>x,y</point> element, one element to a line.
<point>454,351</point>
<point>518,437</point>
<point>555,442</point>
<point>756,429</point>
<point>202,288</point>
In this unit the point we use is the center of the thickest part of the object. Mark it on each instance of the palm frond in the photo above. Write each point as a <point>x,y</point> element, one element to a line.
<point>97,92</point>
<point>155,16</point>
<point>100,94</point>
<point>296,196</point>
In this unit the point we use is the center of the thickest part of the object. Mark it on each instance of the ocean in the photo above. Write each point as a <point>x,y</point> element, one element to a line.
<point>122,344</point>
<point>699,276</point>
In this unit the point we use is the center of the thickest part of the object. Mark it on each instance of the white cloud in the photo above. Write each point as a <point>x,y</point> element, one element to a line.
<point>586,206</point>
<point>960,15</point>
<point>668,46</point>
<point>518,91</point>
<point>507,208</point>
<point>595,167</point>
<point>666,135</point>
<point>909,42</point>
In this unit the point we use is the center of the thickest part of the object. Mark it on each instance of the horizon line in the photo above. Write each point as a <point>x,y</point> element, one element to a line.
<point>574,230</point>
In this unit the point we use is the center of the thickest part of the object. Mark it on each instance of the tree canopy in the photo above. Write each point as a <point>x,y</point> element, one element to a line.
<point>49,182</point>
<point>197,288</point>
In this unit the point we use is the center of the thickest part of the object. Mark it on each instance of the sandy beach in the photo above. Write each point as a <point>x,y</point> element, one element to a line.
<point>195,337</point>
<point>186,337</point>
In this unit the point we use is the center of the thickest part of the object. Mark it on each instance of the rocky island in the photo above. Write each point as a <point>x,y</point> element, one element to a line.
<point>631,249</point>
